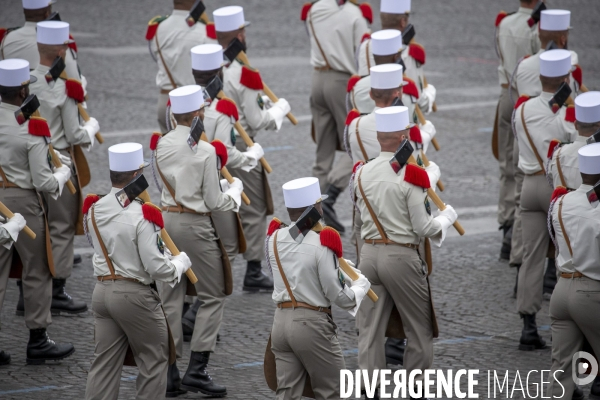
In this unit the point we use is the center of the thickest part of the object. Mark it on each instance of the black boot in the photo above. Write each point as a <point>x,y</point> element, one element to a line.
<point>21,303</point>
<point>329,214</point>
<point>4,358</point>
<point>550,276</point>
<point>62,302</point>
<point>173,381</point>
<point>256,279</point>
<point>516,282</point>
<point>530,338</point>
<point>41,348</point>
<point>197,379</point>
<point>506,241</point>
<point>394,351</point>
<point>595,390</point>
<point>578,394</point>
<point>76,259</point>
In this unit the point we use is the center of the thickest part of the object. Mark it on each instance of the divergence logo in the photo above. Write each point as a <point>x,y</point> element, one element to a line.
<point>582,363</point>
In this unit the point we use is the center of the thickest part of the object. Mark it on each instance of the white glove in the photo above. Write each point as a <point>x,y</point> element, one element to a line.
<point>253,154</point>
<point>224,185</point>
<point>62,175</point>
<point>429,93</point>
<point>279,111</point>
<point>427,134</point>
<point>84,84</point>
<point>235,192</point>
<point>267,102</point>
<point>360,287</point>
<point>92,127</point>
<point>64,159</point>
<point>434,173</point>
<point>446,218</point>
<point>181,263</point>
<point>14,226</point>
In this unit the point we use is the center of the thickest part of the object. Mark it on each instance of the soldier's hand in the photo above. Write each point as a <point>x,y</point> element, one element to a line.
<point>182,263</point>
<point>224,185</point>
<point>18,220</point>
<point>14,226</point>
<point>62,175</point>
<point>279,111</point>
<point>361,286</point>
<point>237,184</point>
<point>267,102</point>
<point>235,191</point>
<point>92,127</point>
<point>449,213</point>
<point>64,159</point>
<point>256,152</point>
<point>434,173</point>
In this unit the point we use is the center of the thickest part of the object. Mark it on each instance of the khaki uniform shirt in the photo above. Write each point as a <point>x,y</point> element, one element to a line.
<point>24,157</point>
<point>400,206</point>
<point>22,43</point>
<point>360,99</point>
<point>582,224</point>
<point>220,126</point>
<point>339,30</point>
<point>132,242</point>
<point>193,176</point>
<point>312,272</point>
<point>543,126</point>
<point>514,40</point>
<point>253,115</point>
<point>176,40</point>
<point>60,111</point>
<point>526,78</point>
<point>569,164</point>
<point>368,137</point>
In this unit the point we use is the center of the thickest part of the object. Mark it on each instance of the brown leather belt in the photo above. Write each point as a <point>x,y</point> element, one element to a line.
<point>117,278</point>
<point>569,275</point>
<point>325,68</point>
<point>7,185</point>
<point>299,304</point>
<point>183,209</point>
<point>536,173</point>
<point>383,241</point>
<point>165,91</point>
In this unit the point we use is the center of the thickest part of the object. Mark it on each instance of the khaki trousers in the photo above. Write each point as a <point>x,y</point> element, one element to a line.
<point>574,307</point>
<point>305,342</point>
<point>535,201</point>
<point>37,280</point>
<point>506,139</point>
<point>62,221</point>
<point>356,228</point>
<point>398,276</point>
<point>516,252</point>
<point>128,314</point>
<point>161,111</point>
<point>195,235</point>
<point>226,227</point>
<point>328,109</point>
<point>254,215</point>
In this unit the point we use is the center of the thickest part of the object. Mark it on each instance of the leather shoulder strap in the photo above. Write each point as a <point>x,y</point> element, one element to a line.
<point>285,281</point>
<point>559,168</point>
<point>562,226</point>
<point>367,55</point>
<point>168,186</point>
<point>5,182</point>
<point>537,155</point>
<point>312,29</point>
<point>371,212</point>
<point>103,247</point>
<point>162,59</point>
<point>360,143</point>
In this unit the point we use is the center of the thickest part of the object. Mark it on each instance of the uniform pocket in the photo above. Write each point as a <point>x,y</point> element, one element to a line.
<point>146,299</point>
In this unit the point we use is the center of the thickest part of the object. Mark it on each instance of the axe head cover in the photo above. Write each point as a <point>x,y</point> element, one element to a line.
<point>593,194</point>
<point>401,156</point>
<point>195,133</point>
<point>29,106</point>
<point>58,66</point>
<point>54,17</point>
<point>595,138</point>
<point>196,11</point>
<point>536,14</point>
<point>214,87</point>
<point>234,48</point>
<point>560,97</point>
<point>133,189</point>
<point>309,218</point>
<point>408,34</point>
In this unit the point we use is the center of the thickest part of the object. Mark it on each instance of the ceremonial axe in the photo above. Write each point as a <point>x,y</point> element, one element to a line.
<point>423,121</point>
<point>595,138</point>
<point>8,214</point>
<point>197,12</point>
<point>407,37</point>
<point>236,49</point>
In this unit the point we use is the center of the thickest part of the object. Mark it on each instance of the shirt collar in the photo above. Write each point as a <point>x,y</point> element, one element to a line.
<point>584,188</point>
<point>42,68</point>
<point>524,10</point>
<point>582,139</point>
<point>30,24</point>
<point>386,154</point>
<point>182,13</point>
<point>546,96</point>
<point>9,107</point>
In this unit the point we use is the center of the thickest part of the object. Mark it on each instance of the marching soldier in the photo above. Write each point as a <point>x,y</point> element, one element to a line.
<point>332,57</point>
<point>171,38</point>
<point>575,222</point>
<point>129,257</point>
<point>516,37</point>
<point>244,86</point>
<point>390,257</point>
<point>537,123</point>
<point>24,170</point>
<point>190,194</point>
<point>563,169</point>
<point>60,108</point>
<point>308,281</point>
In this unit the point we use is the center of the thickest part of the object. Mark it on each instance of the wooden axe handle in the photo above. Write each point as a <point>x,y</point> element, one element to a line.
<point>57,163</point>
<point>204,18</point>
<point>584,88</point>
<point>354,276</point>
<point>434,107</point>
<point>8,214</point>
<point>440,185</point>
<point>229,178</point>
<point>422,121</point>
<point>86,118</point>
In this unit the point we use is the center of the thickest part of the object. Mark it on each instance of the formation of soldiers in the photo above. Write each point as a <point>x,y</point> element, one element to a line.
<point>369,98</point>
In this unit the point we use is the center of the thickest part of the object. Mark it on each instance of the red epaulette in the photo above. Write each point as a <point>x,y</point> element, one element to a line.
<point>273,226</point>
<point>554,143</point>
<point>358,165</point>
<point>521,100</point>
<point>578,74</point>
<point>367,11</point>
<point>570,114</point>
<point>500,17</point>
<point>251,78</point>
<point>305,9</point>
<point>38,126</point>
<point>352,82</point>
<point>415,134</point>
<point>417,52</point>
<point>558,192</point>
<point>410,88</point>
<point>417,176</point>
<point>153,214</point>
<point>221,151</point>
<point>89,201</point>
<point>331,239</point>
<point>153,26</point>
<point>75,90</point>
<point>228,107</point>
<point>211,32</point>
<point>73,46</point>
<point>154,140</point>
<point>365,37</point>
<point>352,115</point>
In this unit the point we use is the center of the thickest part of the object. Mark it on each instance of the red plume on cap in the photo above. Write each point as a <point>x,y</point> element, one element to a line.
<point>521,100</point>
<point>38,126</point>
<point>415,134</point>
<point>228,107</point>
<point>153,214</point>
<point>577,74</point>
<point>500,17</point>
<point>211,32</point>
<point>251,78</point>
<point>331,239</point>
<point>75,90</point>
<point>352,82</point>
<point>558,192</point>
<point>273,226</point>
<point>570,115</point>
<point>352,115</point>
<point>367,11</point>
<point>89,200</point>
<point>554,143</point>
<point>410,88</point>
<point>73,45</point>
<point>154,140</point>
<point>357,165</point>
<point>221,151</point>
<point>304,12</point>
<point>417,176</point>
<point>417,52</point>
<point>365,37</point>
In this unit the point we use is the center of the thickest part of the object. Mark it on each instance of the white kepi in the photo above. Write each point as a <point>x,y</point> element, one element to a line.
<point>53,32</point>
<point>589,159</point>
<point>229,19</point>
<point>14,72</point>
<point>186,99</point>
<point>555,63</point>
<point>392,119</point>
<point>587,107</point>
<point>125,157</point>
<point>555,20</point>
<point>395,6</point>
<point>36,4</point>
<point>386,42</point>
<point>386,76</point>
<point>207,57</point>
<point>302,192</point>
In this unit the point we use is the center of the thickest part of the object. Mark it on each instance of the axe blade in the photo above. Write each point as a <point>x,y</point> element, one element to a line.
<point>595,138</point>
<point>214,87</point>
<point>58,66</point>
<point>593,195</point>
<point>195,12</point>
<point>401,156</point>
<point>234,48</point>
<point>29,106</point>
<point>309,218</point>
<point>133,189</point>
<point>408,34</point>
